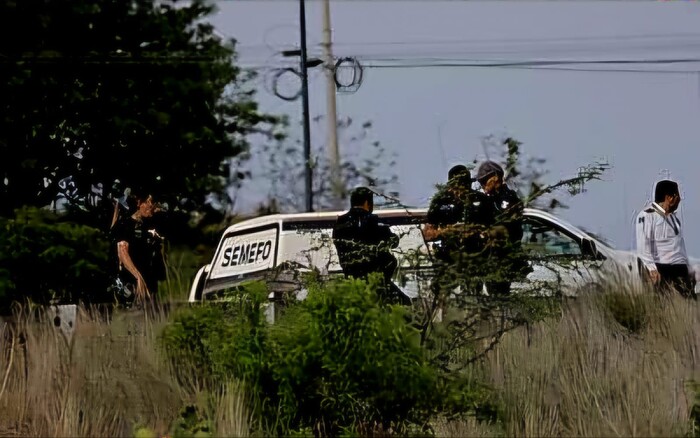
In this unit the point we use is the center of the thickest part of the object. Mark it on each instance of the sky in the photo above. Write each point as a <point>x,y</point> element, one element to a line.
<point>645,121</point>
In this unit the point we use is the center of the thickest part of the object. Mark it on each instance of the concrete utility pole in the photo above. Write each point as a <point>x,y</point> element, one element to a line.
<point>331,116</point>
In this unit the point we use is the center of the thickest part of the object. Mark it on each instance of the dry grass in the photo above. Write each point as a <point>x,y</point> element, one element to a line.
<point>108,380</point>
<point>232,416</point>
<point>467,427</point>
<point>591,371</point>
<point>585,374</point>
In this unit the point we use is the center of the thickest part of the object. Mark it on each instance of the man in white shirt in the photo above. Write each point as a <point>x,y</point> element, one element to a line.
<point>660,243</point>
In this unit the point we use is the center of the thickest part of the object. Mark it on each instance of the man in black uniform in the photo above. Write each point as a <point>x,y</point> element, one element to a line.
<point>139,250</point>
<point>364,244</point>
<point>507,260</point>
<point>457,221</point>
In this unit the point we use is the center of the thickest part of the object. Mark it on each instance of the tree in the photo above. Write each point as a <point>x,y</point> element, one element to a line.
<point>363,162</point>
<point>143,92</point>
<point>476,323</point>
<point>527,174</point>
<point>45,258</point>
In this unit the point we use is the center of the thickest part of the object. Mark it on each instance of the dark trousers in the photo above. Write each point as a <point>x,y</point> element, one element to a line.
<point>389,292</point>
<point>676,277</point>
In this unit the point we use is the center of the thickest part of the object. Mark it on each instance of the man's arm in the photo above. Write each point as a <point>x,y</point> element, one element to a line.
<point>646,250</point>
<point>382,232</point>
<point>430,232</point>
<point>691,268</point>
<point>128,263</point>
<point>512,215</point>
<point>438,216</point>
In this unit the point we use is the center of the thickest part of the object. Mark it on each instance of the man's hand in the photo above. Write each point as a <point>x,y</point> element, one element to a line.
<point>142,292</point>
<point>430,232</point>
<point>654,276</point>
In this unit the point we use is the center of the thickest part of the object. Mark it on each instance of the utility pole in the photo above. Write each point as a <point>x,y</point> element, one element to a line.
<point>305,64</point>
<point>305,109</point>
<point>331,116</point>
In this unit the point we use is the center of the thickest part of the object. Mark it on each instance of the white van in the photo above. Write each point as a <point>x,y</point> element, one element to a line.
<point>278,247</point>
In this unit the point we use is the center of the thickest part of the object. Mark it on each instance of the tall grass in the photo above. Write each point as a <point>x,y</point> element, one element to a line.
<point>181,267</point>
<point>616,362</point>
<point>598,370</point>
<point>107,380</point>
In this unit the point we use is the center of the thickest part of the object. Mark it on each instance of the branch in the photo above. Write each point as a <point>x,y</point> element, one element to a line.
<point>590,173</point>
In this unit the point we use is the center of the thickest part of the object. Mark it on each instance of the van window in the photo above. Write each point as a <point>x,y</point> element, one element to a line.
<point>316,224</point>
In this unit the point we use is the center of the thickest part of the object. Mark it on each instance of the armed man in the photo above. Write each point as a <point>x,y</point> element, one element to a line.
<point>505,210</point>
<point>457,223</point>
<point>364,245</point>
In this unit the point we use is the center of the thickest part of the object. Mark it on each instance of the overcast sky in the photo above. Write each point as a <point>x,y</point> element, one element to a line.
<point>642,121</point>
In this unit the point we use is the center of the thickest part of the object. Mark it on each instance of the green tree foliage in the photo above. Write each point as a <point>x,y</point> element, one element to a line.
<point>139,91</point>
<point>330,363</point>
<point>527,174</point>
<point>222,340</point>
<point>44,258</point>
<point>473,323</point>
<point>340,357</point>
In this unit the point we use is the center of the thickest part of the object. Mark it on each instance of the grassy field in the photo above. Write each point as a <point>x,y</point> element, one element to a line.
<point>620,363</point>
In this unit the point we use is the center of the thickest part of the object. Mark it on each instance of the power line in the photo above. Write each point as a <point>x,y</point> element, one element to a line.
<point>521,40</point>
<point>608,70</point>
<point>529,63</point>
<point>386,63</point>
<point>432,1</point>
<point>473,41</point>
<point>544,68</point>
<point>564,65</point>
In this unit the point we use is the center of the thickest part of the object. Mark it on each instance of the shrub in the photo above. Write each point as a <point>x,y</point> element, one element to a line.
<point>337,361</point>
<point>44,258</point>
<point>215,341</point>
<point>343,361</point>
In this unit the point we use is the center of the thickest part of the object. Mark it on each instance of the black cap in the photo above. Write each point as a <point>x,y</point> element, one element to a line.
<point>488,168</point>
<point>459,174</point>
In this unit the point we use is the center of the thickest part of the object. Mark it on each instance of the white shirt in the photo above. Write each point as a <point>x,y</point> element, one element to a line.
<point>660,238</point>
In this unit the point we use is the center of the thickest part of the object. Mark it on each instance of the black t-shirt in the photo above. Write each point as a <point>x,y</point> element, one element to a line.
<point>145,250</point>
<point>508,211</point>
<point>363,243</point>
<point>453,205</point>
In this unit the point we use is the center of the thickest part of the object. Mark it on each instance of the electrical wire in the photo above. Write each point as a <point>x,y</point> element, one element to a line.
<point>562,66</point>
<point>691,35</point>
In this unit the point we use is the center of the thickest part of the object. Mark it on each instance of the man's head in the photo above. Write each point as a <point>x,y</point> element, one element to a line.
<point>666,194</point>
<point>490,176</point>
<point>460,175</point>
<point>362,197</point>
<point>143,202</point>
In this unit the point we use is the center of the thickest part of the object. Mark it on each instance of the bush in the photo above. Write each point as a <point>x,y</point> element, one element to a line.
<point>337,361</point>
<point>342,361</point>
<point>44,258</point>
<point>219,340</point>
